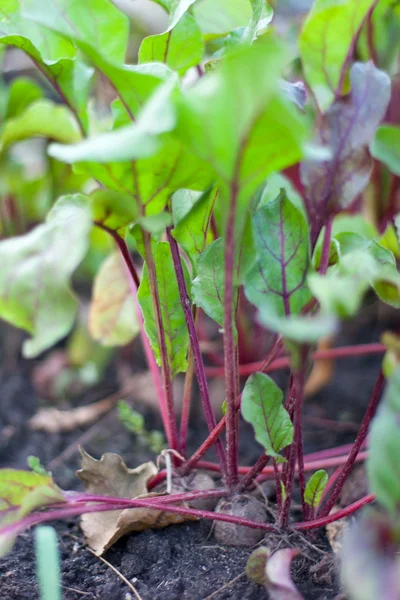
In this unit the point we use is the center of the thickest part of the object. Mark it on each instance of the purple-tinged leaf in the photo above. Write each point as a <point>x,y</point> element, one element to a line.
<point>273,571</point>
<point>327,43</point>
<point>280,585</point>
<point>347,129</point>
<point>370,564</point>
<point>296,92</point>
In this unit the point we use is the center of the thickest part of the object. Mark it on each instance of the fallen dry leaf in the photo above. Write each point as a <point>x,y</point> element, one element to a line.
<point>322,371</point>
<point>110,476</point>
<point>335,532</point>
<point>54,420</point>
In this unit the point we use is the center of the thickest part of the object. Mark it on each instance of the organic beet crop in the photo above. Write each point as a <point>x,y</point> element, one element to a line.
<point>230,189</point>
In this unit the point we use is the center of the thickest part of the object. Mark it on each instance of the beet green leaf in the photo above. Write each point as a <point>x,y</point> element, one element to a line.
<point>172,315</point>
<point>21,492</point>
<point>41,119</point>
<point>361,263</point>
<point>347,129</point>
<point>315,487</point>
<point>386,147</point>
<point>329,34</point>
<point>383,465</point>
<point>262,407</point>
<point>54,55</point>
<point>237,119</point>
<point>180,48</point>
<point>34,280</point>
<point>97,22</point>
<point>192,231</point>
<point>276,284</point>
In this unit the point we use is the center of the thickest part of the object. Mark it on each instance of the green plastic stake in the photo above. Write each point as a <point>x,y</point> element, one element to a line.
<point>48,563</point>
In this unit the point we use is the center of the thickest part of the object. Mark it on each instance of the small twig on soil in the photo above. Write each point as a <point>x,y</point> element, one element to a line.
<point>226,586</point>
<point>124,579</point>
<point>70,589</point>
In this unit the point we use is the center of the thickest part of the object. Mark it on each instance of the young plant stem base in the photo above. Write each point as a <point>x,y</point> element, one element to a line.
<point>208,443</point>
<point>134,282</point>
<point>195,346</point>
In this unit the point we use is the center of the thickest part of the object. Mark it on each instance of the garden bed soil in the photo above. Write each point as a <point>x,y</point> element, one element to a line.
<point>182,562</point>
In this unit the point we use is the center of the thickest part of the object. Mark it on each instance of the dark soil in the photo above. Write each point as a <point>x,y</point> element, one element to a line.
<point>183,562</point>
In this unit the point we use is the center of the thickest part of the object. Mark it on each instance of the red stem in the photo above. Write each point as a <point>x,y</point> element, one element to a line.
<point>187,398</point>
<point>253,473</point>
<point>361,436</point>
<point>206,445</point>
<point>230,354</point>
<point>165,366</point>
<point>78,509</point>
<point>280,363</point>
<point>336,516</point>
<point>326,246</point>
<point>296,449</point>
<point>198,359</point>
<point>134,282</point>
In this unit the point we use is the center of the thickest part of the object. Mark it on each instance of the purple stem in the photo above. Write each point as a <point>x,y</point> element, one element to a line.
<point>326,246</point>
<point>134,282</point>
<point>187,400</point>
<point>254,472</point>
<point>165,366</point>
<point>194,340</point>
<point>230,354</point>
<point>296,448</point>
<point>351,50</point>
<point>361,436</point>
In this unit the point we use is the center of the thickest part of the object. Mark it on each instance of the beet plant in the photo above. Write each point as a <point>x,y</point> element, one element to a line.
<point>243,175</point>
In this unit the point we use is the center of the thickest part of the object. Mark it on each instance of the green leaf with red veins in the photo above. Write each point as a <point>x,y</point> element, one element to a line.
<point>21,492</point>
<point>180,48</point>
<point>386,147</point>
<point>315,487</point>
<point>383,466</point>
<point>327,39</point>
<point>277,282</point>
<point>370,562</point>
<point>97,22</point>
<point>172,315</point>
<point>141,139</point>
<point>208,286</point>
<point>237,119</point>
<point>193,230</point>
<point>347,129</point>
<point>262,407</point>
<point>34,281</point>
<point>54,56</point>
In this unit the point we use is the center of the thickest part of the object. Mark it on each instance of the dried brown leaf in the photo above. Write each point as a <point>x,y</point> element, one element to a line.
<point>110,476</point>
<point>322,371</point>
<point>54,420</point>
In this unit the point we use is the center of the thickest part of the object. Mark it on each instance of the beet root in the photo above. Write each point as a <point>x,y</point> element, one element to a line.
<point>197,481</point>
<point>244,506</point>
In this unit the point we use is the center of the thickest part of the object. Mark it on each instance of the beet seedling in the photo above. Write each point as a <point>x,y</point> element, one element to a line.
<point>233,201</point>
